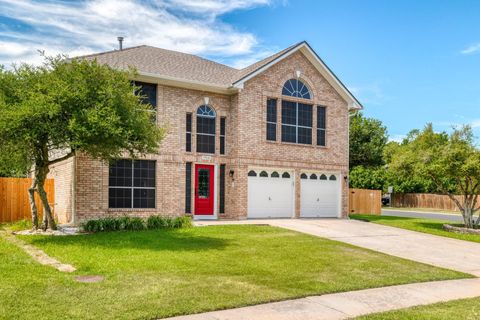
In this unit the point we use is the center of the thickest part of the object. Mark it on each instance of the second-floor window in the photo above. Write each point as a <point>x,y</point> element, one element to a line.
<point>296,122</point>
<point>148,91</point>
<point>188,135</point>
<point>206,129</point>
<point>272,119</point>
<point>321,126</point>
<point>223,129</point>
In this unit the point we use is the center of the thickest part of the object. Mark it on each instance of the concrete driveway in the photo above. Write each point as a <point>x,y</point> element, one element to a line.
<point>424,215</point>
<point>439,251</point>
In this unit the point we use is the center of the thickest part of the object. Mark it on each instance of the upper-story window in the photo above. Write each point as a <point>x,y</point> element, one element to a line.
<point>148,91</point>
<point>206,129</point>
<point>296,88</point>
<point>296,122</point>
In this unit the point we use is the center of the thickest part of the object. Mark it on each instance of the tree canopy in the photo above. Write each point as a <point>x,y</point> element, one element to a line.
<point>368,138</point>
<point>51,112</point>
<point>449,162</point>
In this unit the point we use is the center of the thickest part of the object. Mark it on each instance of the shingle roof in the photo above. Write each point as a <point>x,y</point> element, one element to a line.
<point>187,68</point>
<point>177,65</point>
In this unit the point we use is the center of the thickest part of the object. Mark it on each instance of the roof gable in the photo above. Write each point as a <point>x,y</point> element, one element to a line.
<point>316,61</point>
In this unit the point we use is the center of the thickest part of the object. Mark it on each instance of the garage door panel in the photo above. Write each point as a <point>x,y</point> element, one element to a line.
<point>319,198</point>
<point>270,197</point>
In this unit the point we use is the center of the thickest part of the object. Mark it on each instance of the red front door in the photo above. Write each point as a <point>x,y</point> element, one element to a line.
<point>204,189</point>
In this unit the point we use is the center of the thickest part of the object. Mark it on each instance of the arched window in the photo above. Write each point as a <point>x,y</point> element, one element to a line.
<point>252,173</point>
<point>303,176</point>
<point>313,176</point>
<point>297,117</point>
<point>275,174</point>
<point>205,129</point>
<point>286,175</point>
<point>296,88</point>
<point>323,177</point>
<point>333,178</point>
<point>263,174</point>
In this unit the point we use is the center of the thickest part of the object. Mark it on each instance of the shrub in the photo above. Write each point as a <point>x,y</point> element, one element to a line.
<point>93,226</point>
<point>183,222</point>
<point>157,222</point>
<point>135,223</point>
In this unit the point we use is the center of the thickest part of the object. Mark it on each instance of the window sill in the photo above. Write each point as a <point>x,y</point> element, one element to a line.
<point>297,144</point>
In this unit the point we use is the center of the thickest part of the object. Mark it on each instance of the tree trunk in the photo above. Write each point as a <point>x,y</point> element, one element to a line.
<point>48,221</point>
<point>33,206</point>
<point>467,212</point>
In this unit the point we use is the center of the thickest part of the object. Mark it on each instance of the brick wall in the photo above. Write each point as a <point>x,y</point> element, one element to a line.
<point>62,173</point>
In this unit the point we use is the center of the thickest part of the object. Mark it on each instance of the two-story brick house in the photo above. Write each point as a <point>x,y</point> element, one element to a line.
<point>269,140</point>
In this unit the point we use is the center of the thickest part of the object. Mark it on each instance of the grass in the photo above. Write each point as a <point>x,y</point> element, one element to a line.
<point>162,273</point>
<point>17,226</point>
<point>417,224</point>
<point>466,309</point>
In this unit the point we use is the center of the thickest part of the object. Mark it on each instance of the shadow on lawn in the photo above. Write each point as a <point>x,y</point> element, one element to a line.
<point>157,240</point>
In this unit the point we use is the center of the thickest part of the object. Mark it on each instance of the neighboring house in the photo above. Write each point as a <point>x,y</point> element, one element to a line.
<point>269,140</point>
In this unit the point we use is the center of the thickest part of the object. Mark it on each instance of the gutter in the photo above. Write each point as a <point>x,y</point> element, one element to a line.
<point>190,83</point>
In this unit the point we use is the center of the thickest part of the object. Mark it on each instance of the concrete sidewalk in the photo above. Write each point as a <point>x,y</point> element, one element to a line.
<point>350,304</point>
<point>463,256</point>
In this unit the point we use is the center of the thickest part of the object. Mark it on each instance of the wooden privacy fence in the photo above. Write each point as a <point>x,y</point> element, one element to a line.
<point>425,200</point>
<point>14,204</point>
<point>365,201</point>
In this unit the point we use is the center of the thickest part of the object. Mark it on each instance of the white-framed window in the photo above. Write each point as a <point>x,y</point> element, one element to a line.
<point>131,184</point>
<point>206,117</point>
<point>296,88</point>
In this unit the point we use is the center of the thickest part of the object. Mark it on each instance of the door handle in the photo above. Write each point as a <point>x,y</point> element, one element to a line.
<point>269,198</point>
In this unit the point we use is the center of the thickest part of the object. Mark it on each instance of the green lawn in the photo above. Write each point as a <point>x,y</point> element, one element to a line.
<point>417,224</point>
<point>161,273</point>
<point>466,309</point>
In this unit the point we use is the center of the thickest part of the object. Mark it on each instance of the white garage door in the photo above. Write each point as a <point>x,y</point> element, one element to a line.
<point>270,194</point>
<point>320,195</point>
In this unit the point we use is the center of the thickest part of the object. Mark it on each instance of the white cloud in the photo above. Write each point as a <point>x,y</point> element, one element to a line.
<point>371,93</point>
<point>75,28</point>
<point>474,48</point>
<point>397,137</point>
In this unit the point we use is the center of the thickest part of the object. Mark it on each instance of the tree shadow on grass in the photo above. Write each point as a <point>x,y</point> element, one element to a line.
<point>157,240</point>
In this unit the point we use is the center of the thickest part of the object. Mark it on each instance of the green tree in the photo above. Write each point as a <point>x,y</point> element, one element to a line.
<point>51,112</point>
<point>368,138</point>
<point>368,178</point>
<point>403,181</point>
<point>449,162</point>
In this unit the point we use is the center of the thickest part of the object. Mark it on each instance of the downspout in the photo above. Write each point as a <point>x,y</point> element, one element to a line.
<point>351,113</point>
<point>73,219</point>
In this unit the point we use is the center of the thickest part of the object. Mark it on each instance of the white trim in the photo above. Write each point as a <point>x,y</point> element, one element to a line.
<point>320,66</point>
<point>185,83</point>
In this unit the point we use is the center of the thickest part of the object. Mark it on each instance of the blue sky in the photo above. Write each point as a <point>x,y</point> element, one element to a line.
<point>408,62</point>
